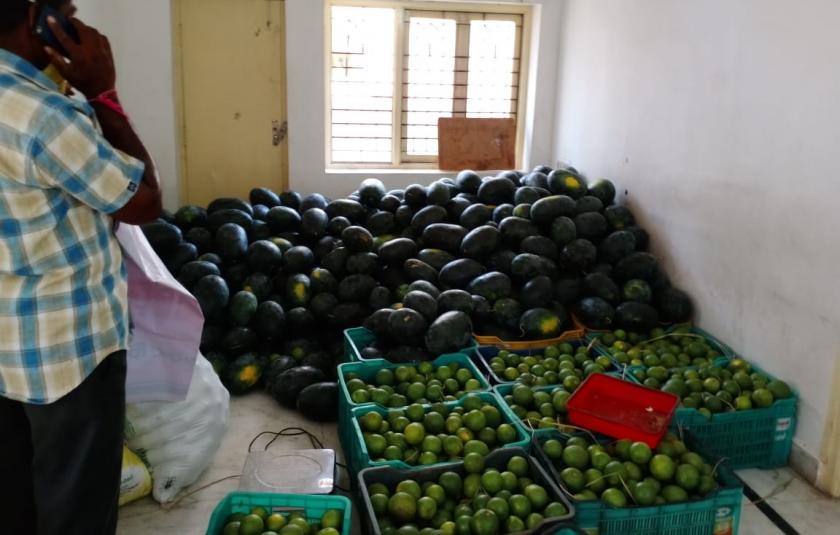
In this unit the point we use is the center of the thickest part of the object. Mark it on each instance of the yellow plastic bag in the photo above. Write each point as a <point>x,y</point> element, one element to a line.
<point>135,482</point>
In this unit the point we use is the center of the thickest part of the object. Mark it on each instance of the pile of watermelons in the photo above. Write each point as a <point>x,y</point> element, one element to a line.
<point>279,277</point>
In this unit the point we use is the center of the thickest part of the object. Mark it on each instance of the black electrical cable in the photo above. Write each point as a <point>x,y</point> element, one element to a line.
<point>296,432</point>
<point>286,432</point>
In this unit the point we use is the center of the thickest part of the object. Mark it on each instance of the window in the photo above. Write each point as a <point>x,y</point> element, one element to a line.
<point>395,69</point>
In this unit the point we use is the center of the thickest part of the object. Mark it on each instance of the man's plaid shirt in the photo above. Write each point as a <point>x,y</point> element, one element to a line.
<point>63,290</point>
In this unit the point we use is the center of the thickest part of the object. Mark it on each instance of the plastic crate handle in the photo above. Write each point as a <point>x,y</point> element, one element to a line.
<point>551,529</point>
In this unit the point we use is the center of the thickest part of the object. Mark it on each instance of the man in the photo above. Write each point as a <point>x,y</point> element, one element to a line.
<point>69,169</point>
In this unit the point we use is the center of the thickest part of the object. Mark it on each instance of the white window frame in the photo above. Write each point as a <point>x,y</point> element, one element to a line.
<point>400,160</point>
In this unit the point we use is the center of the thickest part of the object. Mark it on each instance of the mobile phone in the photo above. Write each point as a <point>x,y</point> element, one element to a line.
<point>43,31</point>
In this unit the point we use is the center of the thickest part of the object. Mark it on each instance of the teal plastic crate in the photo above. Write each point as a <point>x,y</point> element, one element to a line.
<point>367,369</point>
<point>719,512</point>
<point>505,389</point>
<point>713,341</point>
<point>359,338</point>
<point>313,506</point>
<point>358,457</point>
<point>483,354</point>
<point>355,340</point>
<point>496,459</point>
<point>755,438</point>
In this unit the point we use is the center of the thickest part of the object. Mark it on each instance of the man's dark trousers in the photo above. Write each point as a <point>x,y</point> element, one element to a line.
<point>60,464</point>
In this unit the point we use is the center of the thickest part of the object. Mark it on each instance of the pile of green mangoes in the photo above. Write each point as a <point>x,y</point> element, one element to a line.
<point>260,522</point>
<point>538,408</point>
<point>404,385</point>
<point>714,389</point>
<point>559,364</point>
<point>484,502</point>
<point>424,435</point>
<point>626,473</point>
<point>676,349</point>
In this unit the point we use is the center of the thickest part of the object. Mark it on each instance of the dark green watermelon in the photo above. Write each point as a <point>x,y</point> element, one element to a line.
<point>264,197</point>
<point>423,303</point>
<point>619,217</point>
<point>674,305</point>
<point>407,326</point>
<point>636,317</point>
<point>371,192</point>
<point>491,286</point>
<point>212,295</point>
<point>496,191</point>
<point>289,384</point>
<point>616,246</point>
<point>449,333</point>
<point>603,189</point>
<point>319,401</point>
<point>475,216</point>
<point>595,313</point>
<point>459,273</point>
<point>599,285</point>
<point>201,238</point>
<point>565,182</point>
<point>455,300</point>
<point>637,290</point>
<point>547,209</point>
<point>468,181</point>
<point>480,242</point>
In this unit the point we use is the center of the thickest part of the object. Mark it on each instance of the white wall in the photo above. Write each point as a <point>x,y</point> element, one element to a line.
<point>720,119</point>
<point>306,85</point>
<point>141,38</point>
<point>141,35</point>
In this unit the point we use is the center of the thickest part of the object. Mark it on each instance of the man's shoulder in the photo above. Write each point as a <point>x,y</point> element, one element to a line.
<point>26,106</point>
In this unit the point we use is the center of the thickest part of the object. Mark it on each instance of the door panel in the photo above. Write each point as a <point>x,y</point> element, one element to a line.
<point>233,83</point>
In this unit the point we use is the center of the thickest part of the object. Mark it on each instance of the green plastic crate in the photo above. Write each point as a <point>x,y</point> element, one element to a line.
<point>356,450</point>
<point>717,344</point>
<point>367,369</point>
<point>483,354</point>
<point>496,459</point>
<point>354,341</point>
<point>359,338</point>
<point>756,438</point>
<point>313,506</point>
<point>714,341</point>
<point>505,389</point>
<point>719,513</point>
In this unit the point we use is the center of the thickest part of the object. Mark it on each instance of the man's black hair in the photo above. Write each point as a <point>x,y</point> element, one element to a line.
<point>13,13</point>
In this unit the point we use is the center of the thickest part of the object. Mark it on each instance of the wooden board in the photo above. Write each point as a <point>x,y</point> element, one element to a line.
<point>477,144</point>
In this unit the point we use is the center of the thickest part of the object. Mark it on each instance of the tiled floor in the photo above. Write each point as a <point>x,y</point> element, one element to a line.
<point>808,511</point>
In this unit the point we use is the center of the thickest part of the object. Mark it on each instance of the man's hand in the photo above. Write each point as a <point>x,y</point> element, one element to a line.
<point>90,68</point>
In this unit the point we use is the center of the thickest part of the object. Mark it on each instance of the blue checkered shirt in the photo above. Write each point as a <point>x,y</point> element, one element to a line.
<point>63,290</point>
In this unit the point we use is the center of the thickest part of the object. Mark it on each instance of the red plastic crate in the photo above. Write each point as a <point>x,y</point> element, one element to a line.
<point>620,409</point>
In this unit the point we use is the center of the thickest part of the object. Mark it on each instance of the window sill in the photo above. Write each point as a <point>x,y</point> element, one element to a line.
<point>398,172</point>
<point>381,171</point>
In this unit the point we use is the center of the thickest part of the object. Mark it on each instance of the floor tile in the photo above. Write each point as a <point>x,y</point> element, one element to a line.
<point>808,510</point>
<point>804,507</point>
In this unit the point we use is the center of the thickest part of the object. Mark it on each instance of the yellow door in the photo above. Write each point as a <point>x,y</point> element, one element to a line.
<point>231,55</point>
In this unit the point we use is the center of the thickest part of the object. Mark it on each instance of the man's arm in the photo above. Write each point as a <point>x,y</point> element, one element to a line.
<point>145,206</point>
<point>91,71</point>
